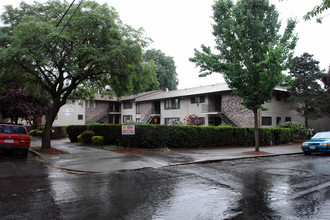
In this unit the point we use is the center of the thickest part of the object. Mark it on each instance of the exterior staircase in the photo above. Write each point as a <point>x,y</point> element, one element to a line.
<point>103,117</point>
<point>227,120</point>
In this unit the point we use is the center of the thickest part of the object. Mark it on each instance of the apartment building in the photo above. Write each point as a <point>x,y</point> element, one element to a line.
<point>213,104</point>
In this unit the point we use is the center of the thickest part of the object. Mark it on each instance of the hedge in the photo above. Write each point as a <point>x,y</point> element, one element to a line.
<point>178,136</point>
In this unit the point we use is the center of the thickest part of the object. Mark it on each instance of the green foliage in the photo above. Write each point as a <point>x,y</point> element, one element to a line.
<point>86,137</point>
<point>317,10</point>
<point>163,136</point>
<point>33,133</point>
<point>300,131</point>
<point>93,52</point>
<point>252,54</point>
<point>98,140</point>
<point>165,70</point>
<point>306,94</point>
<point>74,131</point>
<point>63,131</point>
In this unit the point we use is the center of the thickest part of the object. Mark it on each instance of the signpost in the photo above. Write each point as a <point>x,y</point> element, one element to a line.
<point>128,130</point>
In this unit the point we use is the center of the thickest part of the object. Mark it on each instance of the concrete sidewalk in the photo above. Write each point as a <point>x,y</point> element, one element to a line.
<point>88,159</point>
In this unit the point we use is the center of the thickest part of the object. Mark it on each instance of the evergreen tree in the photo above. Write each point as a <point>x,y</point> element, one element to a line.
<point>306,94</point>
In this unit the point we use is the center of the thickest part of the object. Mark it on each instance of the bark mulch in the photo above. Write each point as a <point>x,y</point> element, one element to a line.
<point>48,151</point>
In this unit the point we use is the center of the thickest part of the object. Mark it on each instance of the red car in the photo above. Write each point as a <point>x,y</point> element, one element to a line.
<point>14,137</point>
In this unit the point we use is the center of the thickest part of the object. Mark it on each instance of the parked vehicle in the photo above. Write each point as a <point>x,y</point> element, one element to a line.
<point>14,137</point>
<point>320,142</point>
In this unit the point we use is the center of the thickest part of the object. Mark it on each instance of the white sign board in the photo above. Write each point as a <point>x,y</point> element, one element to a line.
<point>128,130</point>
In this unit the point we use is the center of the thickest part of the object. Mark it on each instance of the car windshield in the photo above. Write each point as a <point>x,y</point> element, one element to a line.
<point>322,135</point>
<point>10,129</point>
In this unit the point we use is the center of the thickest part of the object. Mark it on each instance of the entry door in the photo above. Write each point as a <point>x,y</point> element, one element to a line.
<point>218,100</point>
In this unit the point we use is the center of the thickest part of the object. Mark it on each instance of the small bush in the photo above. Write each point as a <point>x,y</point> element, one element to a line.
<point>74,130</point>
<point>300,131</point>
<point>86,137</point>
<point>98,140</point>
<point>40,133</point>
<point>63,131</point>
<point>33,133</point>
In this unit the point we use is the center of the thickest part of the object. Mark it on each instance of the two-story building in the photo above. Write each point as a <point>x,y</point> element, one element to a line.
<point>213,104</point>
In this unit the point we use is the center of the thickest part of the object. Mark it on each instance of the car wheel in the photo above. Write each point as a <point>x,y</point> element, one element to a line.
<point>307,153</point>
<point>25,152</point>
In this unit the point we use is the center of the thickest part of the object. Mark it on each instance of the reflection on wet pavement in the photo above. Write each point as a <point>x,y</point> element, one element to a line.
<point>286,187</point>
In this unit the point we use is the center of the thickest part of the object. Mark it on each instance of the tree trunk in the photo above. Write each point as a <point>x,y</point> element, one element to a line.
<point>47,134</point>
<point>306,122</point>
<point>256,129</point>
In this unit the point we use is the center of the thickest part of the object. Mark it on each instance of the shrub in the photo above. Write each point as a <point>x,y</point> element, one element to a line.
<point>192,120</point>
<point>178,136</point>
<point>63,131</point>
<point>98,140</point>
<point>86,137</point>
<point>300,131</point>
<point>33,133</point>
<point>74,130</point>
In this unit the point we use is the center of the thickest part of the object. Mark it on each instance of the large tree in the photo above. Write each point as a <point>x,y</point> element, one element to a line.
<point>90,51</point>
<point>166,72</point>
<point>251,52</point>
<point>306,94</point>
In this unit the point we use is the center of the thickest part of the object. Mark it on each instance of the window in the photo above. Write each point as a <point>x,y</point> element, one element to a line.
<point>127,105</point>
<point>278,120</point>
<point>197,99</point>
<point>287,119</point>
<point>114,107</point>
<point>172,103</point>
<point>127,118</point>
<point>94,104</point>
<point>138,119</point>
<point>167,120</point>
<point>138,108</point>
<point>80,117</point>
<point>168,104</point>
<point>266,121</point>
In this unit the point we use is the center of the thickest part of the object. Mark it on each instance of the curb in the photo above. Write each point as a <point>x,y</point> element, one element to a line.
<point>41,156</point>
<point>172,165</point>
<point>231,159</point>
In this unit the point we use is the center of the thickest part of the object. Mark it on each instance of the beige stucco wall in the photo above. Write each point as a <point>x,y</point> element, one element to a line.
<point>280,109</point>
<point>68,114</point>
<point>186,108</point>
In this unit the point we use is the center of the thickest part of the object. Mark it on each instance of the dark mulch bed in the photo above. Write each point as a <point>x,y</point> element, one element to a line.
<point>48,151</point>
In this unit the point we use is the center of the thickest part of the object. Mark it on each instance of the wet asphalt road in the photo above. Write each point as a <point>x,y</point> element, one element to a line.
<point>284,187</point>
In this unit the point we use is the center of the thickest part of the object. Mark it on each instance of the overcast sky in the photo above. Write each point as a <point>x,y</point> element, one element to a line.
<point>178,26</point>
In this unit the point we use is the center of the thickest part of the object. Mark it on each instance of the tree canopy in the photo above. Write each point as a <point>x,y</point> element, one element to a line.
<point>16,103</point>
<point>251,52</point>
<point>318,10</point>
<point>165,70</point>
<point>306,94</point>
<point>90,51</point>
